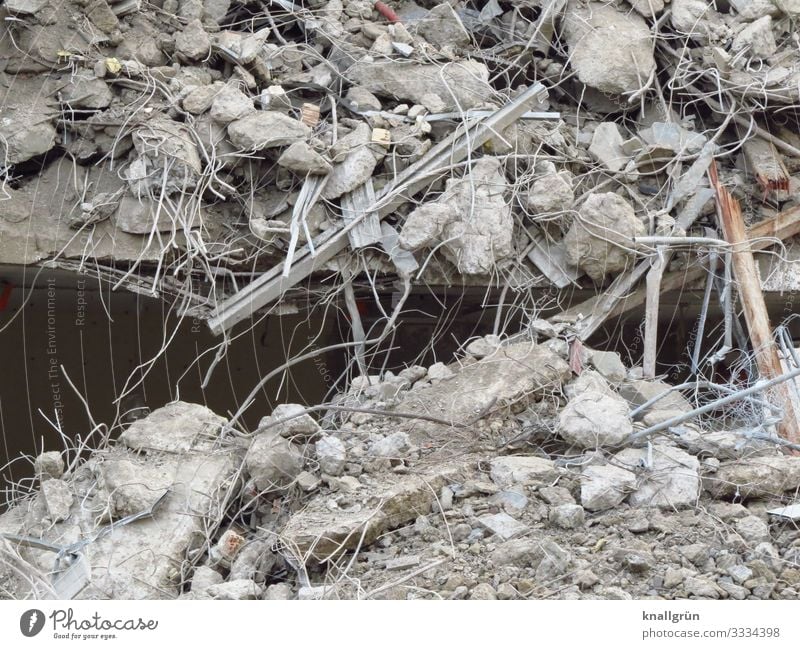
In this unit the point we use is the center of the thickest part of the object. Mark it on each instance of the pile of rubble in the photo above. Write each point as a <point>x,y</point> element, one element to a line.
<point>536,139</point>
<point>503,475</point>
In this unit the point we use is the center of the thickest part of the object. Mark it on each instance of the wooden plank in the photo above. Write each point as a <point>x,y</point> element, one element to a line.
<point>755,308</point>
<point>652,301</point>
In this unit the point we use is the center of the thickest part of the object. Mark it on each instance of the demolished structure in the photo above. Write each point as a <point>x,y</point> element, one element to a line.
<point>588,173</point>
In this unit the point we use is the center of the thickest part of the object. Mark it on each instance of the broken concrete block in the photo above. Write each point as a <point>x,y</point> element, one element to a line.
<point>317,532</point>
<point>639,391</point>
<point>439,372</point>
<point>255,560</point>
<point>199,99</point>
<point>588,381</point>
<point>302,159</point>
<point>609,366</point>
<point>482,236</point>
<point>595,419</point>
<point>502,525</point>
<point>273,462</point>
<point>58,499</point>
<point>177,427</point>
<point>555,562</point>
<point>514,375</point>
<point>757,38</point>
<point>610,49</point>
<point>600,240</point>
<point>442,26</point>
<point>551,194</point>
<point>49,464</point>
<point>243,46</point>
<point>129,487</point>
<point>266,129</point>
<point>567,516</point>
<point>86,92</point>
<point>230,104</point>
<point>424,225</point>
<point>392,447</point>
<point>167,160</point>
<point>354,162</point>
<point>193,42</point>
<point>673,479</point>
<point>298,424</point>
<point>605,486</point>
<point>455,86</point>
<point>331,455</point>
<point>756,477</point>
<point>25,7</point>
<point>23,137</point>
<point>511,470</point>
<point>606,146</point>
<point>282,591</point>
<point>362,99</point>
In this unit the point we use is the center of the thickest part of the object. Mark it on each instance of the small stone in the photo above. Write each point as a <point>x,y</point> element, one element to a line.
<point>331,455</point>
<point>296,422</point>
<point>585,579</point>
<point>58,499</point>
<point>675,576</point>
<point>439,372</point>
<point>740,573</point>
<point>752,529</point>
<point>483,591</point>
<point>308,481</point>
<point>49,465</point>
<point>313,592</point>
<point>460,532</point>
<point>606,146</point>
<point>638,524</point>
<point>302,159</point>
<point>702,588</point>
<point>506,592</point>
<point>392,447</point>
<point>513,502</point>
<point>227,547</point>
<point>551,194</point>
<point>502,525</point>
<point>734,591</point>
<point>193,42</point>
<point>697,553</point>
<point>567,516</point>
<point>555,562</point>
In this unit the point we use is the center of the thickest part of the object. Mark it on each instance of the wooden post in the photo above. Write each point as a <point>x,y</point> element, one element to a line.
<point>755,309</point>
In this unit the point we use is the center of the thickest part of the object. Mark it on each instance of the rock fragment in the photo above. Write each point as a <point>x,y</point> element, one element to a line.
<point>265,130</point>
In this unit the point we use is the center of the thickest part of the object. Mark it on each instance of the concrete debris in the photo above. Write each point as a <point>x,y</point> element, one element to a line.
<point>266,130</point>
<point>600,240</point>
<point>460,85</point>
<point>365,185</point>
<point>610,50</point>
<point>272,462</point>
<point>595,419</point>
<point>331,455</point>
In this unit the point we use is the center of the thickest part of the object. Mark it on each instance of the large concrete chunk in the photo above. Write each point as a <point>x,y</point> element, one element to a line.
<point>755,477</point>
<point>513,376</point>
<point>594,419</point>
<point>513,470</point>
<point>273,462</point>
<point>600,240</point>
<point>440,88</point>
<point>605,486</point>
<point>319,532</point>
<point>473,220</point>
<point>266,129</point>
<point>672,480</point>
<point>175,428</point>
<point>141,559</point>
<point>610,49</point>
